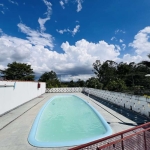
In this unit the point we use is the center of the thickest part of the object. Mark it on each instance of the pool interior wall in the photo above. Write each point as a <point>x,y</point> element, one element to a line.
<point>32,136</point>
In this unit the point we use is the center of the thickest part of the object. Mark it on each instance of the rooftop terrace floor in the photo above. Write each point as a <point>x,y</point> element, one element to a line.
<point>15,125</point>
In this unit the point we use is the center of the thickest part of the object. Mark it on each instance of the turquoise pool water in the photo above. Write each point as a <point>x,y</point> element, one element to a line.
<point>66,121</point>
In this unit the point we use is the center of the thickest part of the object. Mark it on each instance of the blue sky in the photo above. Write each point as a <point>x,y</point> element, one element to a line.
<point>68,36</point>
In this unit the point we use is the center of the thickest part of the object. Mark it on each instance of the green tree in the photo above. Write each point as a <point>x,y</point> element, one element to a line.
<point>123,70</point>
<point>146,63</point>
<point>51,79</point>
<point>80,83</point>
<point>106,71</point>
<point>94,83</point>
<point>116,85</point>
<point>18,71</point>
<point>48,76</point>
<point>71,84</point>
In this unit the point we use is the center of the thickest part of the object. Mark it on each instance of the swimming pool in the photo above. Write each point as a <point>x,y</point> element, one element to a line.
<point>67,120</point>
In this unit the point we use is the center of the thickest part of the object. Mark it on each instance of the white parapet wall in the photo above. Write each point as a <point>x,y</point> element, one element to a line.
<point>65,90</point>
<point>16,93</point>
<point>139,104</point>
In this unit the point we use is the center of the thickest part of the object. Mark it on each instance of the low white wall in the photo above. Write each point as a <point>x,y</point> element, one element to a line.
<point>64,90</point>
<point>12,96</point>
<point>139,104</point>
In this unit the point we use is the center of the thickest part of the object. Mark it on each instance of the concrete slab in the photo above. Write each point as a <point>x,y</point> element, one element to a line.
<point>16,125</point>
<point>12,115</point>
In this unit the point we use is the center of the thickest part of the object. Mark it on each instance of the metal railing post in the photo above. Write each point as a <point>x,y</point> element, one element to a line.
<point>122,145</point>
<point>145,141</point>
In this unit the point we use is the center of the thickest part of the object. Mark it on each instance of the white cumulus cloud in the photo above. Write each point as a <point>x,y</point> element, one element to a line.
<point>73,32</point>
<point>141,42</point>
<point>35,37</point>
<point>75,61</point>
<point>140,45</point>
<point>79,5</point>
<point>62,4</point>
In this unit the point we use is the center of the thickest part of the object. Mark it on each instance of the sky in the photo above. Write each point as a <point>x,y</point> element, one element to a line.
<point>68,36</point>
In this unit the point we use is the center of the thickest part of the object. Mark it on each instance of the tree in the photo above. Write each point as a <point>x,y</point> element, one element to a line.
<point>106,71</point>
<point>146,63</point>
<point>51,79</point>
<point>80,83</point>
<point>116,85</point>
<point>71,84</point>
<point>18,71</point>
<point>94,83</point>
<point>123,70</point>
<point>48,76</point>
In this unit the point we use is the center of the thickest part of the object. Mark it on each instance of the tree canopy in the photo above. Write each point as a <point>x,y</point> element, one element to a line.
<point>94,83</point>
<point>121,76</point>
<point>146,63</point>
<point>51,79</point>
<point>18,71</point>
<point>48,76</point>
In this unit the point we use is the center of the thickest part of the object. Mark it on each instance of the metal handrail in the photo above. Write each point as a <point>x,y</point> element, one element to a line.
<point>109,137</point>
<point>122,139</point>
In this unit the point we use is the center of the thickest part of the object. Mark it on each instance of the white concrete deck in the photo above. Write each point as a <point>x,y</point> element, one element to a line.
<point>15,125</point>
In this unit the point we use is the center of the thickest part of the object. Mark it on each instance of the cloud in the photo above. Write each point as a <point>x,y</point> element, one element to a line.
<point>83,54</point>
<point>121,41</point>
<point>141,42</point>
<point>79,6</point>
<point>76,60</point>
<point>62,4</point>
<point>37,38</point>
<point>119,31</point>
<point>123,46</point>
<point>2,12</point>
<point>73,32</point>
<point>13,2</point>
<point>1,31</point>
<point>132,58</point>
<point>118,47</point>
<point>3,8</point>
<point>62,31</point>
<point>2,5</point>
<point>140,45</point>
<point>84,77</point>
<point>42,21</point>
<point>49,8</point>
<point>113,38</point>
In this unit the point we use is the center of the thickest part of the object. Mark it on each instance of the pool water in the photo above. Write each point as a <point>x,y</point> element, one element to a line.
<point>67,121</point>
